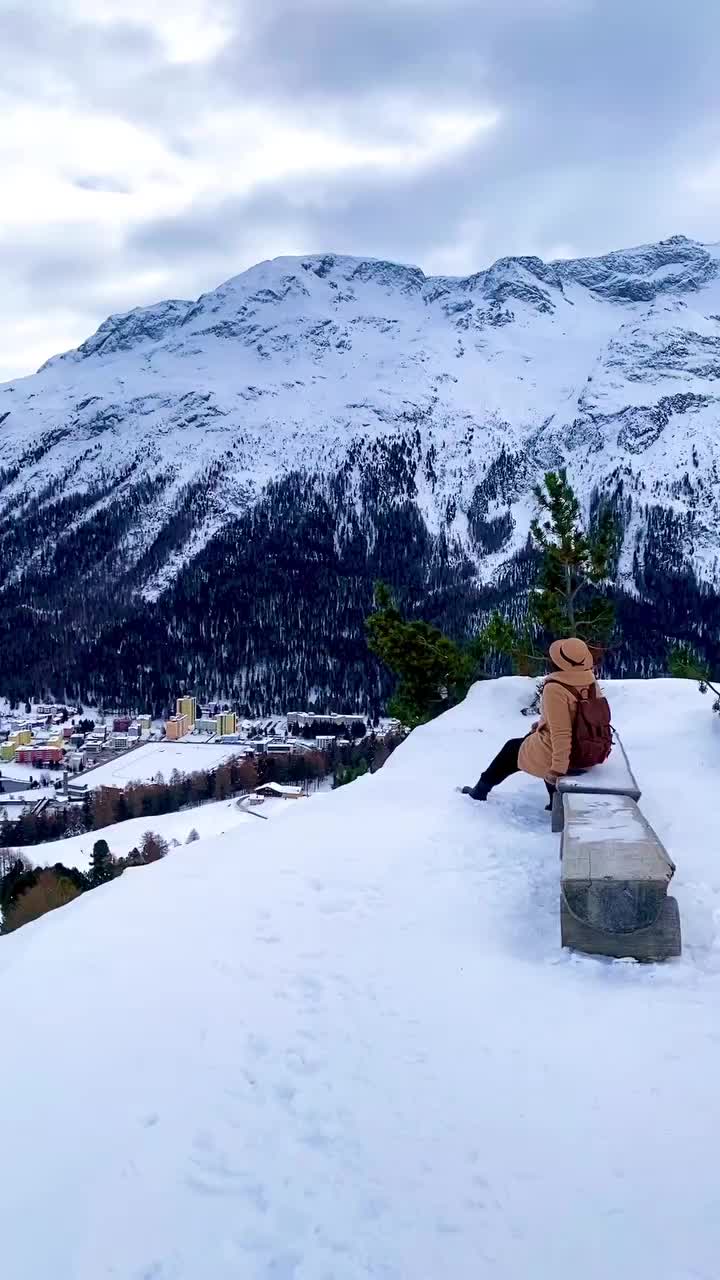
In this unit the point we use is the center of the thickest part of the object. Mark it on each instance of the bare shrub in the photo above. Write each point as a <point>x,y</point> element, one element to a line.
<point>47,894</point>
<point>153,847</point>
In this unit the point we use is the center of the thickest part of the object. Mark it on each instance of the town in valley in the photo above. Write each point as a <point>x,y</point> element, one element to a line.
<point>53,754</point>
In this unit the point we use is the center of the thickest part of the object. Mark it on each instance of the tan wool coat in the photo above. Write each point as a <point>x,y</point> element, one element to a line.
<point>547,749</point>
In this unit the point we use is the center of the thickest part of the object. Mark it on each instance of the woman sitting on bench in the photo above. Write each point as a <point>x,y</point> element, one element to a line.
<point>545,751</point>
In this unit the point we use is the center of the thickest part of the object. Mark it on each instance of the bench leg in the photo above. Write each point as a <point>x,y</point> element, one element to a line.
<point>557,813</point>
<point>659,941</point>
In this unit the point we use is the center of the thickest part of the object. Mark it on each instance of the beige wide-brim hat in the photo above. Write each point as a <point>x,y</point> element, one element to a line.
<point>571,655</point>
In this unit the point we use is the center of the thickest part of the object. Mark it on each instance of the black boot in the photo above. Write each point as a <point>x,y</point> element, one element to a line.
<point>480,791</point>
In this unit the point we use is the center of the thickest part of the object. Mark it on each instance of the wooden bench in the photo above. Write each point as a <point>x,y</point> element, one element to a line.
<point>614,879</point>
<point>614,777</point>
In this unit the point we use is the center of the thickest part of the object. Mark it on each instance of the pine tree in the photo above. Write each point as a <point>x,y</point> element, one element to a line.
<point>575,565</point>
<point>500,640</point>
<point>101,867</point>
<point>434,672</point>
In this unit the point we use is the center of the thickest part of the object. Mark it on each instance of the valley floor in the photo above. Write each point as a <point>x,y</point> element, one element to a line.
<point>348,1045</point>
<point>214,818</point>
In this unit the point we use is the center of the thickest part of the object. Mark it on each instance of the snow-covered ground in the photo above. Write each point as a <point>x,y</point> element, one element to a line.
<point>356,1050</point>
<point>22,773</point>
<point>143,764</point>
<point>207,819</point>
<point>213,819</point>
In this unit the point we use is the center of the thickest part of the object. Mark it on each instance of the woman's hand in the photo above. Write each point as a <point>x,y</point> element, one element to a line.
<point>552,779</point>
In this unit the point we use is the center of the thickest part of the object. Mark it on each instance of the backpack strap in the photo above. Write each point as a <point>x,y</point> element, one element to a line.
<point>581,695</point>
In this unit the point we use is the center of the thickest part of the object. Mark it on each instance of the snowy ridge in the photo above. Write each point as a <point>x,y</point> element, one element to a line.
<point>350,1046</point>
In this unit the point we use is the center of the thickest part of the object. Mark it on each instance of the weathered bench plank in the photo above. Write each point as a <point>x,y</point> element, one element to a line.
<point>615,876</point>
<point>614,777</point>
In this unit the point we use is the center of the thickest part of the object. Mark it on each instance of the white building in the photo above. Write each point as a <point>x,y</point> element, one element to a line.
<point>310,717</point>
<point>275,790</point>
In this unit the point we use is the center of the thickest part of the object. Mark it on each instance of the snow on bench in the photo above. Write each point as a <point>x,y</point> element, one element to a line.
<point>614,777</point>
<point>614,880</point>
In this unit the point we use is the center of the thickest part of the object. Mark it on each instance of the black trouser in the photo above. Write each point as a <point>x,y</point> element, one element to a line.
<point>506,764</point>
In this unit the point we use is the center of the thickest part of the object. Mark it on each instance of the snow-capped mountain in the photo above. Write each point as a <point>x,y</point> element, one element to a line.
<point>356,415</point>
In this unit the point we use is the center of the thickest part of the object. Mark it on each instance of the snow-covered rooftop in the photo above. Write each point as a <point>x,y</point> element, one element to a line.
<point>144,763</point>
<point>290,793</point>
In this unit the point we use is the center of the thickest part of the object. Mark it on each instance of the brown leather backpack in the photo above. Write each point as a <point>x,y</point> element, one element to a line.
<point>592,731</point>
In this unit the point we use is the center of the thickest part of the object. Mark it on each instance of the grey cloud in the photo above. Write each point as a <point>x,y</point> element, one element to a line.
<point>593,72</point>
<point>345,214</point>
<point>95,182</point>
<point>601,104</point>
<point>120,68</point>
<point>69,282</point>
<point>59,56</point>
<point>412,217</point>
<point>70,258</point>
<point>321,49</point>
<point>641,53</point>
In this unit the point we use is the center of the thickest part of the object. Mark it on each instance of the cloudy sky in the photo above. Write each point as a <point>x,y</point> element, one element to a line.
<point>152,148</point>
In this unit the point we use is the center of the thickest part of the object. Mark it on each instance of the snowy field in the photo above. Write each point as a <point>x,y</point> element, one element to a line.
<point>212,819</point>
<point>143,764</point>
<point>357,1050</point>
<point>22,773</point>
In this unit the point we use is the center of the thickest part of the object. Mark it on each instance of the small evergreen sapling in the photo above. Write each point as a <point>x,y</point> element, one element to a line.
<point>575,566</point>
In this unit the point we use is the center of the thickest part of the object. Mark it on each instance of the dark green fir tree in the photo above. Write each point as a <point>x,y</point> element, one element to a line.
<point>576,565</point>
<point>101,865</point>
<point>434,672</point>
